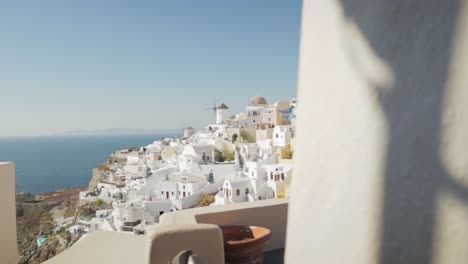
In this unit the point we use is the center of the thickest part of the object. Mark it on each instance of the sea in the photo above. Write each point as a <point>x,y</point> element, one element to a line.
<point>45,164</point>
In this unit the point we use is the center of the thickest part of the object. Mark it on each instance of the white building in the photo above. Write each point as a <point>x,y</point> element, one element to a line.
<point>277,175</point>
<point>192,155</point>
<point>249,152</point>
<point>218,172</point>
<point>235,191</point>
<point>135,165</point>
<point>179,186</point>
<point>264,133</point>
<point>282,135</point>
<point>153,182</point>
<point>76,230</point>
<point>127,215</point>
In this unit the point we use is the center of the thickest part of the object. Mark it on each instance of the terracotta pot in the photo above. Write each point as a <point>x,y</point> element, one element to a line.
<point>244,244</point>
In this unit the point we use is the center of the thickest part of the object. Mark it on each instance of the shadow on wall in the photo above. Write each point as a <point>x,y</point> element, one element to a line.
<point>414,38</point>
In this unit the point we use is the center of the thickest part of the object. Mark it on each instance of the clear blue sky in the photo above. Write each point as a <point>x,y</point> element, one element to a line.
<point>90,65</point>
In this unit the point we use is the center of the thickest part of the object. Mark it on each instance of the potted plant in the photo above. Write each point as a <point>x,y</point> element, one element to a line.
<point>244,244</point>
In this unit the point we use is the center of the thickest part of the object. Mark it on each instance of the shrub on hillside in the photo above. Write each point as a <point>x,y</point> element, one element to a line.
<point>205,200</point>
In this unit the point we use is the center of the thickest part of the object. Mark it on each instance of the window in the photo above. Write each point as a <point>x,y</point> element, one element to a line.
<point>271,175</point>
<point>162,193</point>
<point>282,176</point>
<point>237,192</point>
<point>276,135</point>
<point>246,190</point>
<point>184,187</point>
<point>172,193</point>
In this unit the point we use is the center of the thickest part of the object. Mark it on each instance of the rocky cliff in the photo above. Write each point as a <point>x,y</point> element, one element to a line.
<point>100,173</point>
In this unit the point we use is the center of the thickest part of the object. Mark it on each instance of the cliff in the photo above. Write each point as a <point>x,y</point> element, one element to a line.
<point>100,173</point>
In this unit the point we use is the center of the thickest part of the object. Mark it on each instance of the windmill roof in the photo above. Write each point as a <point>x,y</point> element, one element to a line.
<point>223,106</point>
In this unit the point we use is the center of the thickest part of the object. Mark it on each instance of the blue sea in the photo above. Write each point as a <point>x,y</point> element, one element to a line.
<point>45,164</point>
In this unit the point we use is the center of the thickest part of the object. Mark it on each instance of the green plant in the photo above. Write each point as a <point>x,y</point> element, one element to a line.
<point>205,200</point>
<point>61,230</point>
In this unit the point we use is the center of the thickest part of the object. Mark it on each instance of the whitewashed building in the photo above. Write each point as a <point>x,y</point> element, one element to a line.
<point>282,135</point>
<point>235,191</point>
<point>277,174</point>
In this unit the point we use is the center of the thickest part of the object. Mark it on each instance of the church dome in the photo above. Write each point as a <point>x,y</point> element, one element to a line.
<point>257,100</point>
<point>282,106</point>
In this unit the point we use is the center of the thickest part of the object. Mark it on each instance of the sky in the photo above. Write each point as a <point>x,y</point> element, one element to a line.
<point>91,65</point>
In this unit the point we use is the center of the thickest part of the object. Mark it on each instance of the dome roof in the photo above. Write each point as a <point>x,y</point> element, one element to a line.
<point>282,106</point>
<point>257,100</point>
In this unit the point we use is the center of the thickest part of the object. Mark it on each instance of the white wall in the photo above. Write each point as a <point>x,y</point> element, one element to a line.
<point>220,171</point>
<point>222,115</point>
<point>381,150</point>
<point>169,187</point>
